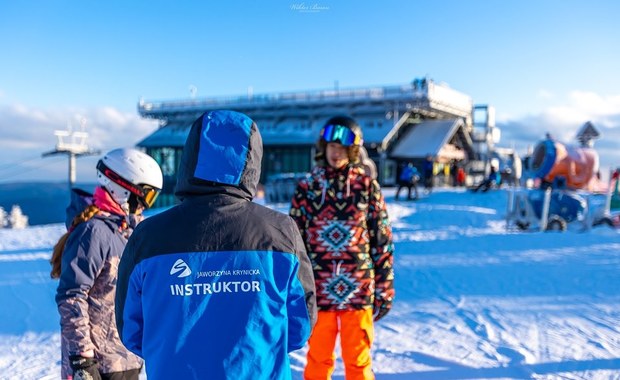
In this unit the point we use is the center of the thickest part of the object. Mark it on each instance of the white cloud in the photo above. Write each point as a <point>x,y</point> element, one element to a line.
<point>26,133</point>
<point>563,122</point>
<point>586,106</point>
<point>544,94</point>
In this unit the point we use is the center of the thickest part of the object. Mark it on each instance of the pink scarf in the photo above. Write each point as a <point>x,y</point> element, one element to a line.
<point>104,201</point>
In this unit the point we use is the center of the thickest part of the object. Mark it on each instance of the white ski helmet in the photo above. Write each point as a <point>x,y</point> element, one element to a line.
<point>131,177</point>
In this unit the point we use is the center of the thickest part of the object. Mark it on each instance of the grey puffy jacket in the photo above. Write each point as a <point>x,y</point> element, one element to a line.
<point>85,295</point>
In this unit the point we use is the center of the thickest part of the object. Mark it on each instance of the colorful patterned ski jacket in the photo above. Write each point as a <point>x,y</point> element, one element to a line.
<point>218,287</point>
<point>343,220</point>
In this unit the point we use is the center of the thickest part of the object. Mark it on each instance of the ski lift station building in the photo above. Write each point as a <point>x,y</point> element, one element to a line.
<point>400,123</point>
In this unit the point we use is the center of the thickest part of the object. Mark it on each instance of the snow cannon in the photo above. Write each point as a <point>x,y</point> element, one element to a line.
<point>573,167</point>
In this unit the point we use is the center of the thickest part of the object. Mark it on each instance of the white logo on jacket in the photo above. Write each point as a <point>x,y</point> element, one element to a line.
<point>180,266</point>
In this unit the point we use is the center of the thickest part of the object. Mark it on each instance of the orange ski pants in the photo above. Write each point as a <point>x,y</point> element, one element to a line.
<point>356,336</point>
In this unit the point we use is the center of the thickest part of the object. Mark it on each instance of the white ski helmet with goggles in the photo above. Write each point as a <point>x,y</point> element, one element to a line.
<point>131,177</point>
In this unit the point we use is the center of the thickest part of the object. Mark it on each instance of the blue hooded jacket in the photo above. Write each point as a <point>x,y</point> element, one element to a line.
<point>217,287</point>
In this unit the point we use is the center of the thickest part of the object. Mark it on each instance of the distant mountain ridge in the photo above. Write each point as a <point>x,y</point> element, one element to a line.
<point>42,202</point>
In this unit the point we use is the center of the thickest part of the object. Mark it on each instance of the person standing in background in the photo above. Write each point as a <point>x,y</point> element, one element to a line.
<point>342,216</point>
<point>408,179</point>
<point>460,176</point>
<point>454,170</point>
<point>428,173</point>
<point>85,261</point>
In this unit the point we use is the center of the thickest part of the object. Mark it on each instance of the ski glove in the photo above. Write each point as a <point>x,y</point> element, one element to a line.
<point>84,368</point>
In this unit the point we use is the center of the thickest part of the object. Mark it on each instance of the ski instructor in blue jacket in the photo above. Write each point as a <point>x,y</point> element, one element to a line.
<point>217,287</point>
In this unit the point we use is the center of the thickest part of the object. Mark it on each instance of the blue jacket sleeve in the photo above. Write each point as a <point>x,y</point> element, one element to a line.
<point>128,308</point>
<point>298,320</point>
<point>301,301</point>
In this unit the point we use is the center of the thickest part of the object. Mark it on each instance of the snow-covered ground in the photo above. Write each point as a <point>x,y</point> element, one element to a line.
<point>474,301</point>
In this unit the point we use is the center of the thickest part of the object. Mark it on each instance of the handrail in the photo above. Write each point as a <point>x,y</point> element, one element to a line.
<point>408,91</point>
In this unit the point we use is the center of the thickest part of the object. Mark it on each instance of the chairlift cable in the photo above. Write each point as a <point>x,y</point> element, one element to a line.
<point>29,169</point>
<point>10,165</point>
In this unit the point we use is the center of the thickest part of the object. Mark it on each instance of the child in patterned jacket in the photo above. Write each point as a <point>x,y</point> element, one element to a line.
<point>343,219</point>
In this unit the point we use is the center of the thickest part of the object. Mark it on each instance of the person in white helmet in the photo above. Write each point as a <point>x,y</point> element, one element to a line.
<point>85,261</point>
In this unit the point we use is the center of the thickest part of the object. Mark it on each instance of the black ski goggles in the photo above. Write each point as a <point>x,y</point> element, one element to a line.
<point>340,134</point>
<point>146,194</point>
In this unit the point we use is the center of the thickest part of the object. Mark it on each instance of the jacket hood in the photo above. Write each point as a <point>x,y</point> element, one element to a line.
<point>80,199</point>
<point>222,155</point>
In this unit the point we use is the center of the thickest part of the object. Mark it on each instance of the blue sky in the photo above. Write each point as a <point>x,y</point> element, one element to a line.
<point>545,65</point>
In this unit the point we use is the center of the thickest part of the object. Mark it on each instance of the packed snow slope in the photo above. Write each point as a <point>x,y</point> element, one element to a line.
<point>474,301</point>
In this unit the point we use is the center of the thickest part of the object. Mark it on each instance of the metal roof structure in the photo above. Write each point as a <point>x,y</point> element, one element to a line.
<point>433,137</point>
<point>296,118</point>
<point>172,136</point>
